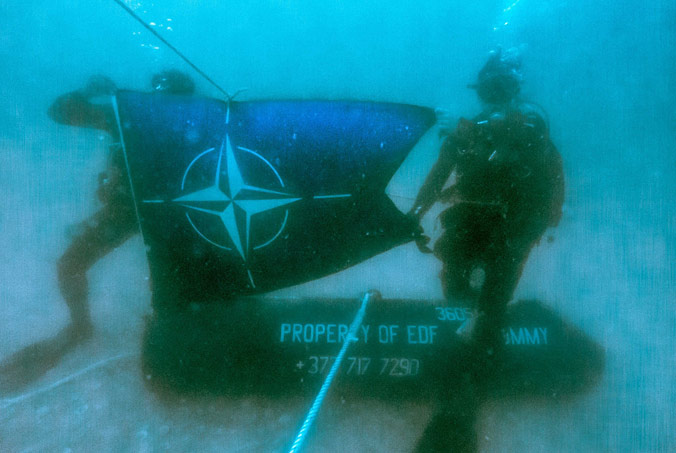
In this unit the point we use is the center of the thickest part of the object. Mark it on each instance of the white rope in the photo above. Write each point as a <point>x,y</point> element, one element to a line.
<point>4,403</point>
<point>316,405</point>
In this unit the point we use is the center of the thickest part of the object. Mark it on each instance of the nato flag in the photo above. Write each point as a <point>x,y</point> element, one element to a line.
<point>248,197</point>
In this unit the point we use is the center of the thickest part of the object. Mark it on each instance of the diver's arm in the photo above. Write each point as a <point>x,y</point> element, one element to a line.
<point>431,189</point>
<point>77,108</point>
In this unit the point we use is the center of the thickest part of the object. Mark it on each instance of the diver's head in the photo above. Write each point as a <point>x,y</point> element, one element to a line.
<point>173,81</point>
<point>499,81</point>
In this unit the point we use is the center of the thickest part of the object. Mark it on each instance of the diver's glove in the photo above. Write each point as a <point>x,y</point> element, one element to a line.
<point>99,85</point>
<point>421,241</point>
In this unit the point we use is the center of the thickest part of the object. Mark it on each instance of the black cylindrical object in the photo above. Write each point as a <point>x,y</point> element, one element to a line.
<point>404,348</point>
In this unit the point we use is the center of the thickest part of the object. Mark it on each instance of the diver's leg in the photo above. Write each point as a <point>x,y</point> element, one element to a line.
<point>457,251</point>
<point>454,283</point>
<point>503,271</point>
<point>453,427</point>
<point>71,268</point>
<point>106,230</point>
<point>103,232</point>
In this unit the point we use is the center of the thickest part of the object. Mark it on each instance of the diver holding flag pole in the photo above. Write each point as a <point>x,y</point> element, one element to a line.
<point>112,225</point>
<point>116,222</point>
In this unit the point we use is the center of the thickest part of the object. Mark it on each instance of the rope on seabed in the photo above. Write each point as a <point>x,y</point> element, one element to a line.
<point>317,404</point>
<point>4,403</point>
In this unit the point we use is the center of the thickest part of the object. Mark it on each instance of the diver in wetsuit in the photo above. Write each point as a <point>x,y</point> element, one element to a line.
<point>116,221</point>
<point>508,190</point>
<point>110,227</point>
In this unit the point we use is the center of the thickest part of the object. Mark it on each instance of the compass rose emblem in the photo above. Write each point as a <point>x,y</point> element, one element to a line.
<point>233,194</point>
<point>232,199</point>
<point>235,199</point>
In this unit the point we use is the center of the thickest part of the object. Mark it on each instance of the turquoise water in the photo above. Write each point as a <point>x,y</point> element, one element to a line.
<point>603,71</point>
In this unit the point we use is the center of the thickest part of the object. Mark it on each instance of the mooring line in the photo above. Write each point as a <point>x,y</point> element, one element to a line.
<point>168,44</point>
<point>316,405</point>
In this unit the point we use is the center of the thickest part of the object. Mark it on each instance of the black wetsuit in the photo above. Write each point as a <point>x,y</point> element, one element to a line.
<point>109,227</point>
<point>509,188</point>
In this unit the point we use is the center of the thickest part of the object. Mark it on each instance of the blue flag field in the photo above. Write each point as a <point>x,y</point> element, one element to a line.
<point>247,197</point>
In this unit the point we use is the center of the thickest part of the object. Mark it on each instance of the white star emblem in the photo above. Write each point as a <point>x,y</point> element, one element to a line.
<point>239,195</point>
<point>235,202</point>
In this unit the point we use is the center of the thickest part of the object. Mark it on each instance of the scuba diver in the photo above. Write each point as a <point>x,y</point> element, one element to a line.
<point>508,189</point>
<point>116,221</point>
<point>111,226</point>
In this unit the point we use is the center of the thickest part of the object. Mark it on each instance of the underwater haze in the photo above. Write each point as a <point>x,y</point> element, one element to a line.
<point>604,72</point>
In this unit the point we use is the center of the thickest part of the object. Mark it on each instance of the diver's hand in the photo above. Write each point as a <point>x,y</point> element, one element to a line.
<point>421,240</point>
<point>99,85</point>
